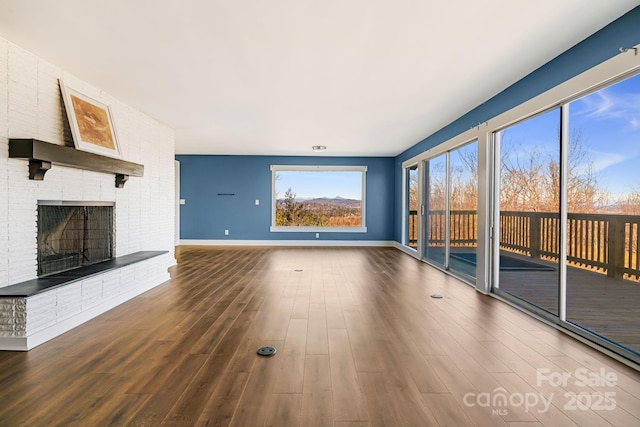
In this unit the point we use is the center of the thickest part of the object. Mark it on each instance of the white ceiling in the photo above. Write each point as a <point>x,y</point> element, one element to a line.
<point>363,77</point>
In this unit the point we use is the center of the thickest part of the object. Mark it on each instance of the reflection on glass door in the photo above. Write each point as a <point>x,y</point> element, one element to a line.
<point>411,237</point>
<point>603,224</point>
<point>529,206</point>
<point>435,207</point>
<point>451,201</point>
<point>463,209</point>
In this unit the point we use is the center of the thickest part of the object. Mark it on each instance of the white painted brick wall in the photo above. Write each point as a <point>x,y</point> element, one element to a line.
<point>20,316</point>
<point>126,278</point>
<point>110,284</point>
<point>4,92</point>
<point>4,190</point>
<point>41,311</point>
<point>23,93</point>
<point>7,316</point>
<point>68,301</point>
<point>31,107</point>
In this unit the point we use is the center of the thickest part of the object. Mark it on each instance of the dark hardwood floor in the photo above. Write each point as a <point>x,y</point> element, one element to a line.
<point>359,343</point>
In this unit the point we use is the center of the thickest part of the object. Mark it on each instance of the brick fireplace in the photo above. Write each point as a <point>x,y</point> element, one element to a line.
<point>141,217</point>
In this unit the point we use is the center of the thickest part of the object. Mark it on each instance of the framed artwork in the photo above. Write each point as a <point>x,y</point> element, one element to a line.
<point>91,123</point>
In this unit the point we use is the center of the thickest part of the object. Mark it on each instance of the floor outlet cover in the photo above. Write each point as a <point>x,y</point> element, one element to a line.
<point>266,351</point>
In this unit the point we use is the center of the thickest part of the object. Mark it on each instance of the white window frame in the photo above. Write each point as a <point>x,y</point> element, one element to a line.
<point>621,66</point>
<point>615,69</point>
<point>299,229</point>
<point>405,206</point>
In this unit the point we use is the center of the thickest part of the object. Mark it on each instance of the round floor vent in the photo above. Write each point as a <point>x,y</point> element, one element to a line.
<point>266,351</point>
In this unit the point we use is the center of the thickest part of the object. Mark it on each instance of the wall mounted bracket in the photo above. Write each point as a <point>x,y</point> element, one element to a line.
<point>42,155</point>
<point>627,49</point>
<point>37,169</point>
<point>121,179</point>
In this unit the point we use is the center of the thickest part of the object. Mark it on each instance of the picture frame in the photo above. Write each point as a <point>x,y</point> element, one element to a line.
<point>91,123</point>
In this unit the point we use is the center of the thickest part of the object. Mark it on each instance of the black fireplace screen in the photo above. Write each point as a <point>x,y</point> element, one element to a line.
<point>73,236</point>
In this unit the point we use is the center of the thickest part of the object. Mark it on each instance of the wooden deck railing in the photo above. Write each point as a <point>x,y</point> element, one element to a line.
<point>413,228</point>
<point>464,228</point>
<point>463,224</point>
<point>606,243</point>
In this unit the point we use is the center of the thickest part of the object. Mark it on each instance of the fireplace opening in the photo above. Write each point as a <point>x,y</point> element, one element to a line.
<point>73,235</point>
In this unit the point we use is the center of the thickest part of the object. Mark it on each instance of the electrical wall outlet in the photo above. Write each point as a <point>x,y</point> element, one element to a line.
<point>317,235</point>
<point>257,202</point>
<point>226,232</point>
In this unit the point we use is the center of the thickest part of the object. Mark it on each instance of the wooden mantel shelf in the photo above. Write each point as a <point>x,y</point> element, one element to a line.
<point>42,154</point>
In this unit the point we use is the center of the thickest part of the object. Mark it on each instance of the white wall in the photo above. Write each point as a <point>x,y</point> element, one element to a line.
<point>31,107</point>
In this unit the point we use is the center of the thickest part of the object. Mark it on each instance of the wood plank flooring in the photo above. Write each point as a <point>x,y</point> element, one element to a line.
<point>360,343</point>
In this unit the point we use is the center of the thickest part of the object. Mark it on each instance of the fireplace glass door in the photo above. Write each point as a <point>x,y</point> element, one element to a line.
<point>73,236</point>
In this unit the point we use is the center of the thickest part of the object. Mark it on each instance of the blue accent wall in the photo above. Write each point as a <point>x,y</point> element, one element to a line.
<point>206,215</point>
<point>599,47</point>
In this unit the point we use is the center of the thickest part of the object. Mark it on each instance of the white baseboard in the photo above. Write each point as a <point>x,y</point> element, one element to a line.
<point>382,243</point>
<point>13,343</point>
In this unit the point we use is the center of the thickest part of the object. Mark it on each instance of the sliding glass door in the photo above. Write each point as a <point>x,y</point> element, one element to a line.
<point>567,229</point>
<point>603,220</point>
<point>529,211</point>
<point>435,204</point>
<point>559,212</point>
<point>412,207</point>
<point>451,200</point>
<point>463,209</point>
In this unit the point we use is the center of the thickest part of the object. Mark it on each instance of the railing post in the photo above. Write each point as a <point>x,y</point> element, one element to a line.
<point>615,247</point>
<point>534,234</point>
<point>413,225</point>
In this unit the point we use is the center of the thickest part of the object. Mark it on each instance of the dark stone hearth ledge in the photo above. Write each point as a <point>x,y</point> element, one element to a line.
<point>36,286</point>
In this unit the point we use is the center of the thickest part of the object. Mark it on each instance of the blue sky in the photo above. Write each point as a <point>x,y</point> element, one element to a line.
<point>316,184</point>
<point>608,122</point>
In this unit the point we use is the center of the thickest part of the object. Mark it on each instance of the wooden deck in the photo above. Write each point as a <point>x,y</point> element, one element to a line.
<point>604,305</point>
<point>601,304</point>
<point>360,343</point>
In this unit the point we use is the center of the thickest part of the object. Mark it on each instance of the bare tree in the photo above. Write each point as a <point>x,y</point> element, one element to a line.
<point>463,180</point>
<point>529,182</point>
<point>532,182</point>
<point>629,204</point>
<point>413,188</point>
<point>437,186</point>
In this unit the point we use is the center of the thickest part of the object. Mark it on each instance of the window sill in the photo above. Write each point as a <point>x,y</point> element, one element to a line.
<point>281,229</point>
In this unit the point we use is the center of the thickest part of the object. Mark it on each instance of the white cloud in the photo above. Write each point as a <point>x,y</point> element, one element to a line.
<point>601,161</point>
<point>598,161</point>
<point>607,105</point>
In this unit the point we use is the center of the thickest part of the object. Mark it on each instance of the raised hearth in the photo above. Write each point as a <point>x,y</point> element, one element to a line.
<point>38,310</point>
<point>36,286</point>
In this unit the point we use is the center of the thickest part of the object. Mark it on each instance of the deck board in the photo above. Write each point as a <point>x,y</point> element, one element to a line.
<point>604,305</point>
